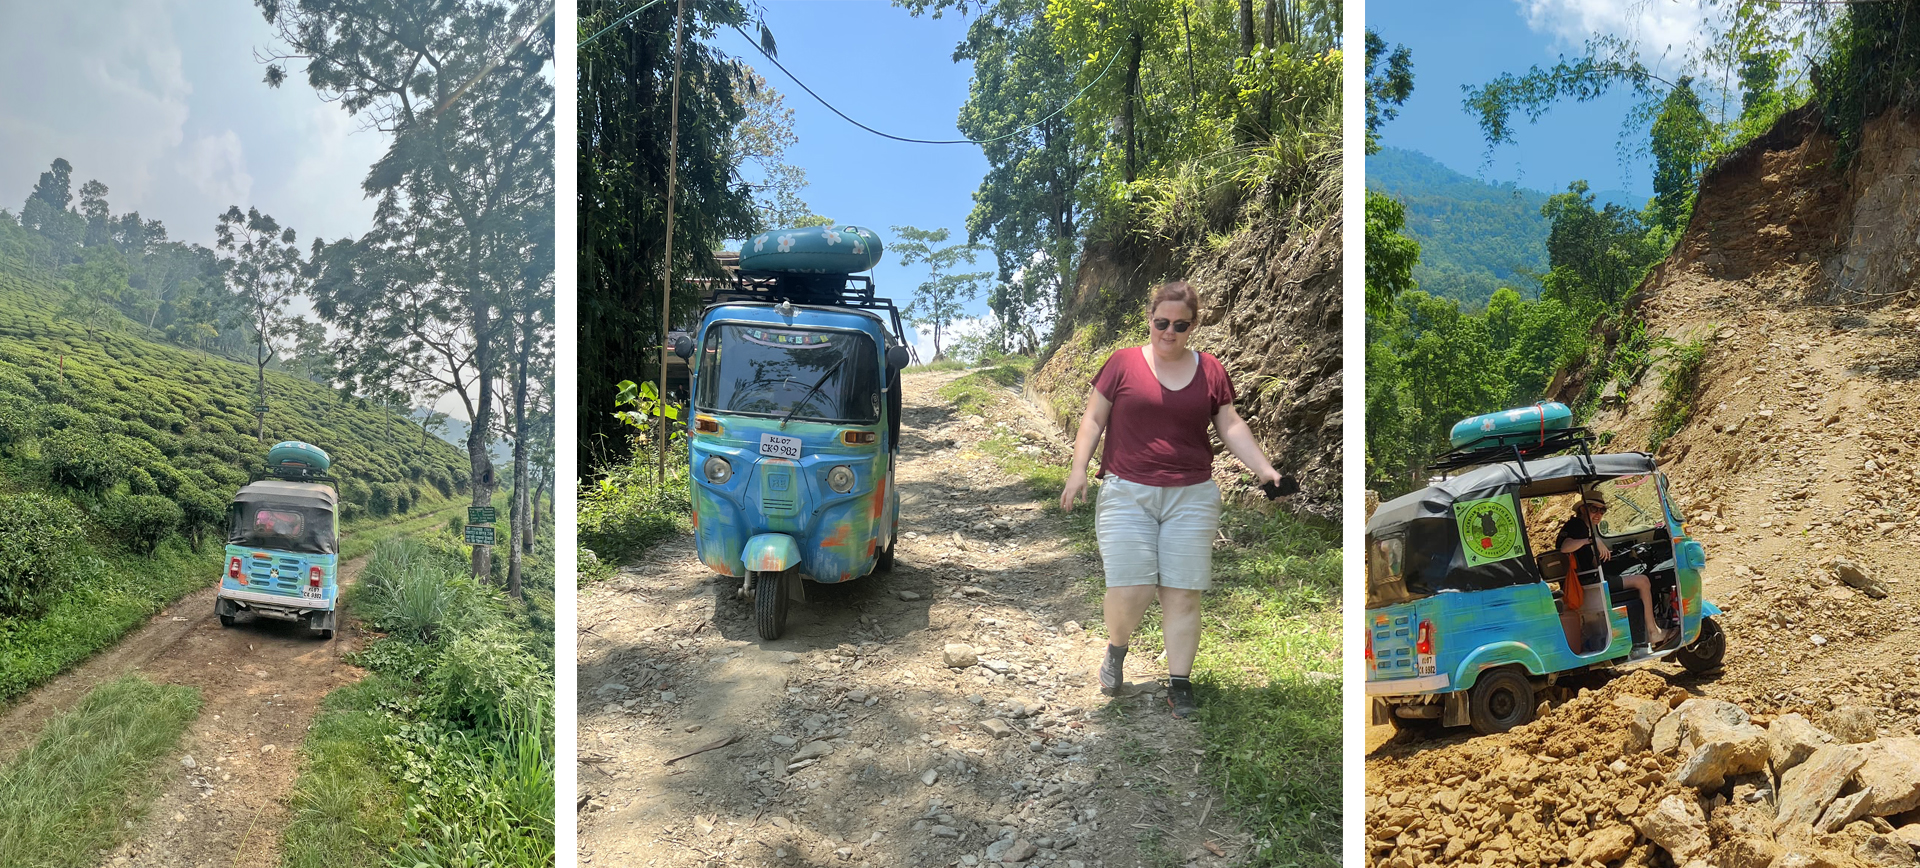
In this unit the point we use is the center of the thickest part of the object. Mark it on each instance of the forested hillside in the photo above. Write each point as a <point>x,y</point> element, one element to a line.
<point>1475,237</point>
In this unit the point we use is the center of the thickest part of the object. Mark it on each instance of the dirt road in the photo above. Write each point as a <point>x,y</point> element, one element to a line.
<point>260,682</point>
<point>856,743</point>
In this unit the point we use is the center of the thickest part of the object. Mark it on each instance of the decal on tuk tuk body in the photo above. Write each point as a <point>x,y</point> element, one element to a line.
<point>1489,529</point>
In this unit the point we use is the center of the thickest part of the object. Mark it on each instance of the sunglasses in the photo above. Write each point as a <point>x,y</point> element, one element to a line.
<point>1180,326</point>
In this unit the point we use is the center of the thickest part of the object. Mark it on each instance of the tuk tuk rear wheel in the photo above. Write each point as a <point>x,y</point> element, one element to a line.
<point>1708,650</point>
<point>770,602</point>
<point>1502,699</point>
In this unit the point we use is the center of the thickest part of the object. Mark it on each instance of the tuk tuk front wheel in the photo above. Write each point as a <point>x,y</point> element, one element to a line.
<point>1502,699</point>
<point>770,602</point>
<point>1706,652</point>
<point>884,562</point>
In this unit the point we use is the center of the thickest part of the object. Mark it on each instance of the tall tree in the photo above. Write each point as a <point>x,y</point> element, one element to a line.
<point>942,298</point>
<point>462,87</point>
<point>1679,144</point>
<point>625,75</point>
<point>1389,83</point>
<point>264,269</point>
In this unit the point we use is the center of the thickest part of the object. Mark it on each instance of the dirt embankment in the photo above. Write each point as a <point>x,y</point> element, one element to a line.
<point>224,799</point>
<point>944,714</point>
<point>1273,314</point>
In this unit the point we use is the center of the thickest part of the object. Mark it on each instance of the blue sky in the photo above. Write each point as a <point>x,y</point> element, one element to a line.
<point>895,73</point>
<point>1456,44</point>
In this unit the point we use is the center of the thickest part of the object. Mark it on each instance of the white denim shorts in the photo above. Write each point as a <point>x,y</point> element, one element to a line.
<point>1157,536</point>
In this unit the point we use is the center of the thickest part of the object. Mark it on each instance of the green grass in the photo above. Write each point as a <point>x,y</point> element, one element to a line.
<point>74,792</point>
<point>443,754</point>
<point>942,365</point>
<point>1678,382</point>
<point>979,390</point>
<point>345,809</point>
<point>1270,623</point>
<point>625,512</point>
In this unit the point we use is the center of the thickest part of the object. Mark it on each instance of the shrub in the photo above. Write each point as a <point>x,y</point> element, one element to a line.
<point>167,479</point>
<point>40,541</point>
<point>483,677</point>
<point>143,520</point>
<point>81,460</point>
<point>201,513</point>
<point>380,501</point>
<point>60,417</point>
<point>140,481</point>
<point>16,420</point>
<point>415,593</point>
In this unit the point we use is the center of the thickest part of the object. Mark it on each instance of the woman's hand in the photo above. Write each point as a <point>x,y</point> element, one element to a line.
<point>1076,490</point>
<point>1268,476</point>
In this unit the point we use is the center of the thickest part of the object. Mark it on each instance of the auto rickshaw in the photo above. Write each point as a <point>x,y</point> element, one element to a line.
<point>1467,615</point>
<point>283,536</point>
<point>796,419</point>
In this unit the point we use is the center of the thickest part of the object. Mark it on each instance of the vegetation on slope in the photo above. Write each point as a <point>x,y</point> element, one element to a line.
<point>1475,237</point>
<point>68,798</point>
<point>443,754</point>
<point>119,454</point>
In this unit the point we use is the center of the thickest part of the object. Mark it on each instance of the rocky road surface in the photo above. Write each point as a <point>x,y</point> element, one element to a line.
<point>224,800</point>
<point>868,736</point>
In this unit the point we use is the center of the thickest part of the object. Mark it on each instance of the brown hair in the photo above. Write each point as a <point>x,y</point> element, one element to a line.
<point>1176,291</point>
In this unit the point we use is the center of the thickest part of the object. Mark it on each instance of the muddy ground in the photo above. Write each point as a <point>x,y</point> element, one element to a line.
<point>224,801</point>
<point>850,741</point>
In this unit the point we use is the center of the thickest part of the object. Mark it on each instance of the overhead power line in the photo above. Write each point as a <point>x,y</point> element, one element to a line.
<point>822,100</point>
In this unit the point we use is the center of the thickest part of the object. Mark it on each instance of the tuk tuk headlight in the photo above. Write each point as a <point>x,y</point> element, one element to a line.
<point>840,479</point>
<point>718,470</point>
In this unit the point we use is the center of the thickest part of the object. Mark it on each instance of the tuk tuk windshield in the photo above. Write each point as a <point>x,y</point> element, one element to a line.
<point>281,528</point>
<point>1633,505</point>
<point>822,376</point>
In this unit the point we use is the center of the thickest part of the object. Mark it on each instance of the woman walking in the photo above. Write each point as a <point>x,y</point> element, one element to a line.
<point>1158,508</point>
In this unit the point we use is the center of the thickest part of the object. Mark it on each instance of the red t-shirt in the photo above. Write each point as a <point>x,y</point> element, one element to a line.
<point>1158,436</point>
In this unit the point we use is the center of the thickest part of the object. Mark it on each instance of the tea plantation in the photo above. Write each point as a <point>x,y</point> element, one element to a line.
<point>119,453</point>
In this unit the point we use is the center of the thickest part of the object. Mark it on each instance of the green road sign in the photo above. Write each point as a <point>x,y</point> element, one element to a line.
<point>480,515</point>
<point>478,535</point>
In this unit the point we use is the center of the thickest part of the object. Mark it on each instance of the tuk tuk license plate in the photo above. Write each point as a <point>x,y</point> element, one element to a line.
<point>311,592</point>
<point>776,446</point>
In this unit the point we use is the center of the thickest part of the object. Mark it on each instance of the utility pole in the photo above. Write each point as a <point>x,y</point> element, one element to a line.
<point>666,283</point>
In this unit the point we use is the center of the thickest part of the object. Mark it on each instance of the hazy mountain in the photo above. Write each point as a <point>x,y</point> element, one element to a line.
<point>1475,237</point>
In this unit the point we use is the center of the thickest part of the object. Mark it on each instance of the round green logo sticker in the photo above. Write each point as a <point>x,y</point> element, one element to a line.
<point>1489,530</point>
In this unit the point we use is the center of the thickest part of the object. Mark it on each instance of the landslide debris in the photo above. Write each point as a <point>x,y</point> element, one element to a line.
<point>1642,772</point>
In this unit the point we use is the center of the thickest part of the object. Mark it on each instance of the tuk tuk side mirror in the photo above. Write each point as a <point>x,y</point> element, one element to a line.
<point>683,347</point>
<point>897,357</point>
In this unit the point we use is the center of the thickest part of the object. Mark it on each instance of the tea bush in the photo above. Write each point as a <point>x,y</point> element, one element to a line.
<point>80,460</point>
<point>39,541</point>
<point>143,520</point>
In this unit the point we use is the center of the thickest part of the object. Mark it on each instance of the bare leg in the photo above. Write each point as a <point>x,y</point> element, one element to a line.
<point>1645,588</point>
<point>1124,606</point>
<point>1180,622</point>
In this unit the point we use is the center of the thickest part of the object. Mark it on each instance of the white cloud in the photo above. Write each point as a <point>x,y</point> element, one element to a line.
<point>1660,27</point>
<point>323,186</point>
<point>217,166</point>
<point>104,89</point>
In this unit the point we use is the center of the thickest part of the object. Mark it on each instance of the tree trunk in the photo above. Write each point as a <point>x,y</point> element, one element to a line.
<point>260,368</point>
<point>1246,28</point>
<point>480,466</point>
<point>1133,89</point>
<point>517,531</point>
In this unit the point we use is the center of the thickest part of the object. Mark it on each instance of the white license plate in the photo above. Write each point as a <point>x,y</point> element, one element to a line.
<point>310,592</point>
<point>776,446</point>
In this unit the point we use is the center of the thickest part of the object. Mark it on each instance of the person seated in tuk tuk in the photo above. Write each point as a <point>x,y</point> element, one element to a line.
<point>1579,540</point>
<point>1159,509</point>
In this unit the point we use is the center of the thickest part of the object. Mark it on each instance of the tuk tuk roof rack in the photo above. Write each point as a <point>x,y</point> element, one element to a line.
<point>295,473</point>
<point>829,290</point>
<point>1513,447</point>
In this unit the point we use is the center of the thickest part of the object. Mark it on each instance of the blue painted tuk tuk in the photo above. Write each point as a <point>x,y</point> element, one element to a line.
<point>1467,616</point>
<point>796,420</point>
<point>283,536</point>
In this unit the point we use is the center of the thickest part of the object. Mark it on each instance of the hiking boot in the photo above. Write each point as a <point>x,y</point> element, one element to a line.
<point>1180,699</point>
<point>1113,675</point>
